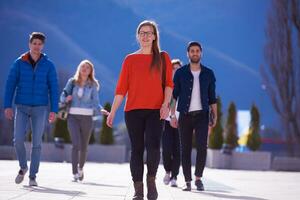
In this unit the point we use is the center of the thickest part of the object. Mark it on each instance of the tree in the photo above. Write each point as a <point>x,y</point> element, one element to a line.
<point>281,75</point>
<point>216,135</point>
<point>231,138</point>
<point>61,130</point>
<point>106,133</point>
<point>254,140</point>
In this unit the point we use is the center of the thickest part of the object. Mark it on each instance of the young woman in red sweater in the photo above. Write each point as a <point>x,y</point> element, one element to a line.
<point>146,79</point>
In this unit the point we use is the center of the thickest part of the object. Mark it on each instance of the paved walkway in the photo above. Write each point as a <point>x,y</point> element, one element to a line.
<point>113,181</point>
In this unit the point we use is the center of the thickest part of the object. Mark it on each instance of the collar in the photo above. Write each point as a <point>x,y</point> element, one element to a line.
<point>26,57</point>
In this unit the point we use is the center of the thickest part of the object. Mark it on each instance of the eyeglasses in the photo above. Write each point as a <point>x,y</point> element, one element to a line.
<point>147,34</point>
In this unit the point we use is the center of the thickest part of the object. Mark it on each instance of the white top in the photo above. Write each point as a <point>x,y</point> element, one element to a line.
<point>80,92</point>
<point>81,111</point>
<point>195,103</point>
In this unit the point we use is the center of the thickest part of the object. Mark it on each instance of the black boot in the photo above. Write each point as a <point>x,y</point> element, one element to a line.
<point>199,185</point>
<point>187,187</point>
<point>138,191</point>
<point>152,191</point>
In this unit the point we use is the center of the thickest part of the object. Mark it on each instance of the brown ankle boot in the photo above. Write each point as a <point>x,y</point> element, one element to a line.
<point>152,191</point>
<point>138,191</point>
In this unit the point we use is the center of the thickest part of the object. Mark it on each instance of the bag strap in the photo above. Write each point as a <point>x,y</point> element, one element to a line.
<point>163,74</point>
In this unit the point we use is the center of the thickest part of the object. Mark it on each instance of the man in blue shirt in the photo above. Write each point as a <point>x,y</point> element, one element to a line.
<point>32,80</point>
<point>194,89</point>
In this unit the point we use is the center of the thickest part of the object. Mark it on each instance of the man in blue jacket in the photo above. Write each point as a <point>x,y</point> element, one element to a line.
<point>32,80</point>
<point>194,89</point>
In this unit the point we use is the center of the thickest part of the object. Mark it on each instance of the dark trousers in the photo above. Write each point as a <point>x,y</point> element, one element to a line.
<point>197,122</point>
<point>144,128</point>
<point>171,150</point>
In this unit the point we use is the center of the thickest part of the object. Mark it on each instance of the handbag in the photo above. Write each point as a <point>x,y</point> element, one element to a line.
<point>63,110</point>
<point>63,107</point>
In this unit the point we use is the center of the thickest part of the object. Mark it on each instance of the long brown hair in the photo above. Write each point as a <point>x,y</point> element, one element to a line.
<point>91,76</point>
<point>156,59</point>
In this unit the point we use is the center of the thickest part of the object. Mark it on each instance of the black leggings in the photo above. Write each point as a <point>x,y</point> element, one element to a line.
<point>144,128</point>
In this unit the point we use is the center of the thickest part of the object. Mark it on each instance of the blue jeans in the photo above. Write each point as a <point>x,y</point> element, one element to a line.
<point>37,116</point>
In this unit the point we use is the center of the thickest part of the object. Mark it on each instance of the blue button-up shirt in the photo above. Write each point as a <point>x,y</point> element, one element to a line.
<point>183,86</point>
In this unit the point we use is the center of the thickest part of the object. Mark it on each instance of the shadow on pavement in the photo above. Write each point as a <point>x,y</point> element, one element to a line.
<point>41,189</point>
<point>227,196</point>
<point>103,185</point>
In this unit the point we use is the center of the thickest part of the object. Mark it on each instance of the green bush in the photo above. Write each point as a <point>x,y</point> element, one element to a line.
<point>61,130</point>
<point>254,140</point>
<point>216,136</point>
<point>231,138</point>
<point>106,133</point>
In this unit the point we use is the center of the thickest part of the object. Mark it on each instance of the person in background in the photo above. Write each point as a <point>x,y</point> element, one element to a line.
<point>194,88</point>
<point>171,144</point>
<point>81,91</point>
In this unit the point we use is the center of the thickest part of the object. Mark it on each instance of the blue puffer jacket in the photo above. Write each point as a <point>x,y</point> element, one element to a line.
<point>33,86</point>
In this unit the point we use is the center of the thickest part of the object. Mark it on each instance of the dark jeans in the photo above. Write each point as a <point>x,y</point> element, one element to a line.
<point>171,150</point>
<point>144,128</point>
<point>197,122</point>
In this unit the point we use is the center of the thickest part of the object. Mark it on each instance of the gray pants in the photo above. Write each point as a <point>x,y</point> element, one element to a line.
<point>80,128</point>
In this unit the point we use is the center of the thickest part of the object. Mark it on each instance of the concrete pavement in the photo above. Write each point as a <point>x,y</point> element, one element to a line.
<point>113,181</point>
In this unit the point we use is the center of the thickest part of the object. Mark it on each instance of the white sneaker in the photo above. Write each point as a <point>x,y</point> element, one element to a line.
<point>173,182</point>
<point>80,174</point>
<point>75,177</point>
<point>167,179</point>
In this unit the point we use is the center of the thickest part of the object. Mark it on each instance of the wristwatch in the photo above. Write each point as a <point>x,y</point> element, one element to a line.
<point>172,116</point>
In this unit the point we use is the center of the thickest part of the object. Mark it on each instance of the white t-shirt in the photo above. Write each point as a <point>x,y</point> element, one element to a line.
<point>195,103</point>
<point>80,92</point>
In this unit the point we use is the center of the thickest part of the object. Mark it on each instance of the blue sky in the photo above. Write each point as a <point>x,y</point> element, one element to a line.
<point>232,33</point>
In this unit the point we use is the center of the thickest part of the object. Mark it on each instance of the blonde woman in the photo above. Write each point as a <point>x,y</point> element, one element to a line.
<point>81,91</point>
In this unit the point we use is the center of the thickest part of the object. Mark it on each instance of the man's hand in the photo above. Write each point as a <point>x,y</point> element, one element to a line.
<point>52,117</point>
<point>212,120</point>
<point>9,113</point>
<point>174,122</point>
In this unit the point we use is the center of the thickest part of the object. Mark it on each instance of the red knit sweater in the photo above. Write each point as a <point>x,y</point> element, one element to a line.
<point>142,86</point>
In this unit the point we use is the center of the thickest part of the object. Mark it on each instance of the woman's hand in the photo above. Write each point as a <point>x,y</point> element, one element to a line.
<point>69,98</point>
<point>104,112</point>
<point>110,119</point>
<point>164,111</point>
